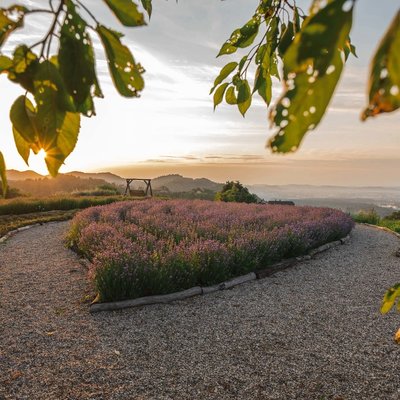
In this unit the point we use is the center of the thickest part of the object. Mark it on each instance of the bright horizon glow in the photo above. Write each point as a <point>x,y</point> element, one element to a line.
<point>37,162</point>
<point>172,128</point>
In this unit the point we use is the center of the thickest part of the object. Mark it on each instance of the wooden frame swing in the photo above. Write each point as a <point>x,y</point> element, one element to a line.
<point>139,193</point>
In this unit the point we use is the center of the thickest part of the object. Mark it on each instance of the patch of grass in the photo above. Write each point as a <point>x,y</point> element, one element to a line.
<point>10,222</point>
<point>393,225</point>
<point>32,205</point>
<point>367,217</point>
<point>391,222</point>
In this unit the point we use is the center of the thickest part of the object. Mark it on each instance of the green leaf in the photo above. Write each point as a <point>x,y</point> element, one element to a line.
<point>147,6</point>
<point>244,97</point>
<point>225,71</point>
<point>296,20</point>
<point>127,76</point>
<point>272,35</point>
<point>230,96</point>
<point>22,145</point>
<point>263,85</point>
<point>312,67</point>
<point>5,63</point>
<point>349,49</point>
<point>52,103</point>
<point>23,58</point>
<point>79,76</point>
<point>64,144</point>
<point>127,12</point>
<point>21,116</point>
<point>286,39</point>
<point>3,174</point>
<point>24,67</point>
<point>390,298</point>
<point>261,53</point>
<point>384,80</point>
<point>219,94</point>
<point>242,63</point>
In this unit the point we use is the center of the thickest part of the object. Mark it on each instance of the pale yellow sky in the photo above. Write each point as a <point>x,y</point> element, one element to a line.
<point>172,128</point>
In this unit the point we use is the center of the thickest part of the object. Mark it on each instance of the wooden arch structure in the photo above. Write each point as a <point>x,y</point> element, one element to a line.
<point>143,193</point>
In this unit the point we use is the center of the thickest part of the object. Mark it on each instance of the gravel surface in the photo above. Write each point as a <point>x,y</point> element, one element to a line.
<point>310,332</point>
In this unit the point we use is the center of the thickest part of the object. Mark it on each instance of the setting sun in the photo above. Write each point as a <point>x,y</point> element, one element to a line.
<point>37,162</point>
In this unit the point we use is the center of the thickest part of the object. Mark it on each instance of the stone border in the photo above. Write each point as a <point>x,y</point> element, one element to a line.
<point>13,232</point>
<point>4,238</point>
<point>197,290</point>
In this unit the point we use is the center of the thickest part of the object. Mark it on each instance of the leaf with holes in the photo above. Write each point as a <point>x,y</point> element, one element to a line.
<point>384,80</point>
<point>390,298</point>
<point>79,76</point>
<point>322,33</point>
<point>64,143</point>
<point>248,33</point>
<point>3,174</point>
<point>229,46</point>
<point>312,67</point>
<point>225,71</point>
<point>10,20</point>
<point>126,74</point>
<point>127,12</point>
<point>241,38</point>
<point>302,107</point>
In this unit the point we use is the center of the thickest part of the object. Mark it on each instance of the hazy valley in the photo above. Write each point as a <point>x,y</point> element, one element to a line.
<point>350,199</point>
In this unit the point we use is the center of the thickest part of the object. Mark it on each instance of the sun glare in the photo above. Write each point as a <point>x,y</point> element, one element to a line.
<point>37,163</point>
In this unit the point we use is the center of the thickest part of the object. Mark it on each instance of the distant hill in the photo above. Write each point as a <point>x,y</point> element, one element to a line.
<point>14,175</point>
<point>39,185</point>
<point>105,176</point>
<point>62,184</point>
<point>178,183</point>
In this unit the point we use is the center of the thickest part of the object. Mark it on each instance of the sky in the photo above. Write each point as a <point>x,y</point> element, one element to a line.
<point>172,127</point>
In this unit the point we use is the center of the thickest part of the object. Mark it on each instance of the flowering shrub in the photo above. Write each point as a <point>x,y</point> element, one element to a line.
<point>161,246</point>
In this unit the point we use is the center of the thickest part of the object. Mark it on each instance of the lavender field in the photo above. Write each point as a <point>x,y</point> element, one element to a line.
<point>151,247</point>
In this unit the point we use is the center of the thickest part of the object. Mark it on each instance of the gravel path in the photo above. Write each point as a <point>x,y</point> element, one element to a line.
<point>311,332</point>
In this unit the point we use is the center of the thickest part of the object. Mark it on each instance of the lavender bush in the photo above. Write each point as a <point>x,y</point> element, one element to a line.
<point>161,246</point>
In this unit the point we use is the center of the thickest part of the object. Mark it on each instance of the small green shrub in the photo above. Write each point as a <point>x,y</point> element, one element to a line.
<point>394,215</point>
<point>367,216</point>
<point>236,192</point>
